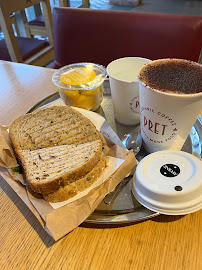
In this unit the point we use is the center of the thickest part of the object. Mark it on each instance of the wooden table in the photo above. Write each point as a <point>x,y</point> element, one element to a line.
<point>161,243</point>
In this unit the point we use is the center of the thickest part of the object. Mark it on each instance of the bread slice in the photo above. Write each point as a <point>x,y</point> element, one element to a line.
<point>57,125</point>
<point>49,168</point>
<point>68,191</point>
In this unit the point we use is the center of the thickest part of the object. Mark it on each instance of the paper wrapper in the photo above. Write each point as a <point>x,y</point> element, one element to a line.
<point>61,218</point>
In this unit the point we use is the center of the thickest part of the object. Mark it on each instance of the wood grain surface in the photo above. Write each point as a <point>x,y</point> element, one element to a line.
<point>161,243</point>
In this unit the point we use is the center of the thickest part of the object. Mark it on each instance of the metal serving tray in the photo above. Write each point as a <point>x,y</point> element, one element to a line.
<point>120,206</point>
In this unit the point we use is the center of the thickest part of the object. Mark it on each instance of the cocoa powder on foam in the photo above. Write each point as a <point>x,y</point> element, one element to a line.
<point>173,76</point>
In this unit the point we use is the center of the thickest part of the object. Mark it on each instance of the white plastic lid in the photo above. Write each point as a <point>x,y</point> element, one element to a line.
<point>169,182</point>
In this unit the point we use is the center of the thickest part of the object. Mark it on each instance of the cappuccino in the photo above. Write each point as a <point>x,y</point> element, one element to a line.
<point>172,76</point>
<point>170,102</point>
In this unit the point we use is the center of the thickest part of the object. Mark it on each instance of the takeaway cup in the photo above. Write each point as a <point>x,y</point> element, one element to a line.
<point>168,116</point>
<point>123,78</point>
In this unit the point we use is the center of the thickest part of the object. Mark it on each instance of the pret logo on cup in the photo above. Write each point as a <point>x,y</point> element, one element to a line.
<point>170,101</point>
<point>155,123</point>
<point>135,105</point>
<point>170,170</point>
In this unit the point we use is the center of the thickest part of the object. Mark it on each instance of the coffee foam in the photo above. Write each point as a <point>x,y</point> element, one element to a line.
<point>173,76</point>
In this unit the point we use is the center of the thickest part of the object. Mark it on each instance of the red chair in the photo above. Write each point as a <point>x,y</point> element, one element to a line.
<point>101,36</point>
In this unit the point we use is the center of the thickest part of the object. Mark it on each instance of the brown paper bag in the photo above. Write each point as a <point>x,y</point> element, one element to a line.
<point>60,221</point>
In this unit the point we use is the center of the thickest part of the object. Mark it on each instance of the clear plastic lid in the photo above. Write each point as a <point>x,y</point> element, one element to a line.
<point>80,76</point>
<point>169,182</point>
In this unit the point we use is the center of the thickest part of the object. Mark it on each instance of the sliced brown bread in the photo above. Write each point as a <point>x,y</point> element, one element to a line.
<point>49,168</point>
<point>68,191</point>
<point>58,125</point>
<point>58,147</point>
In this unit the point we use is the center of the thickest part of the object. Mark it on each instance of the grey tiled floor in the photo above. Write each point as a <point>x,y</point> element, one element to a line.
<point>191,7</point>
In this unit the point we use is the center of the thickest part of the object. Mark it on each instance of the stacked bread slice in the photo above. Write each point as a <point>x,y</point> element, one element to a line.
<point>60,151</point>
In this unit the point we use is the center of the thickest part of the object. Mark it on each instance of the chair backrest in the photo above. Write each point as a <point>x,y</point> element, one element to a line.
<point>101,36</point>
<point>9,6</point>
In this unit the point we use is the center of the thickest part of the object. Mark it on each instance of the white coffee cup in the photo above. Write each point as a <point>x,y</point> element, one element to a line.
<point>123,78</point>
<point>167,117</point>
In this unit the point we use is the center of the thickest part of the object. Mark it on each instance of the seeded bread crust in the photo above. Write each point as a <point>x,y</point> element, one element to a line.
<point>69,191</point>
<point>49,168</point>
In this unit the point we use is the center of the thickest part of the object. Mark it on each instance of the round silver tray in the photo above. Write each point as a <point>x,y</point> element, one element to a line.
<point>120,206</point>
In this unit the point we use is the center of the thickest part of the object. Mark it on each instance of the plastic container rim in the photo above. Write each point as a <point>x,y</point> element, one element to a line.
<point>83,87</point>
